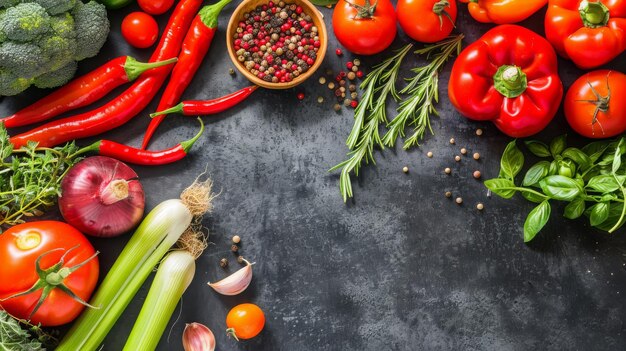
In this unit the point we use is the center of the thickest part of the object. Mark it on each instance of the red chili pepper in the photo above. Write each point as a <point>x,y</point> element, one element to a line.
<point>508,76</point>
<point>195,46</point>
<point>132,155</point>
<point>590,33</point>
<point>83,91</point>
<point>208,107</point>
<point>127,105</point>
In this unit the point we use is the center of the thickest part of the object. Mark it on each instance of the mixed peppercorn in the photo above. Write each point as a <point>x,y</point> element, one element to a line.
<point>277,42</point>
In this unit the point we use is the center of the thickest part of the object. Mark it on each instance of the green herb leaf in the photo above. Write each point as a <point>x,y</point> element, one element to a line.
<point>558,144</point>
<point>501,187</point>
<point>533,197</point>
<point>14,338</point>
<point>603,183</point>
<point>538,148</point>
<point>617,156</point>
<point>560,188</point>
<point>574,209</point>
<point>576,155</point>
<point>599,213</point>
<point>536,220</point>
<point>615,212</point>
<point>595,149</point>
<point>536,173</point>
<point>512,161</point>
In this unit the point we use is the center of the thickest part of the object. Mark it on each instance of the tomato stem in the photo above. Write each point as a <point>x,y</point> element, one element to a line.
<point>364,11</point>
<point>439,8</point>
<point>601,102</point>
<point>231,332</point>
<point>52,278</point>
<point>510,81</point>
<point>593,14</point>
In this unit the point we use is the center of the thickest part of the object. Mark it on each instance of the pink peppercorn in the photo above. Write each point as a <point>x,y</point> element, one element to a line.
<point>338,52</point>
<point>354,103</point>
<point>349,65</point>
<point>359,74</point>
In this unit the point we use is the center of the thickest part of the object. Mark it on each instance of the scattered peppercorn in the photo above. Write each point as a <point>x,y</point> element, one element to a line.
<point>429,154</point>
<point>480,206</point>
<point>337,107</point>
<point>349,65</point>
<point>448,194</point>
<point>320,99</point>
<point>354,103</point>
<point>359,74</point>
<point>405,169</point>
<point>300,96</point>
<point>476,156</point>
<point>236,239</point>
<point>447,170</point>
<point>231,71</point>
<point>351,76</point>
<point>347,102</point>
<point>463,151</point>
<point>331,85</point>
<point>356,62</point>
<point>234,248</point>
<point>477,174</point>
<point>457,158</point>
<point>338,52</point>
<point>223,263</point>
<point>240,259</point>
<point>354,95</point>
<point>322,80</point>
<point>479,132</point>
<point>355,69</point>
<point>352,87</point>
<point>452,141</point>
<point>458,200</point>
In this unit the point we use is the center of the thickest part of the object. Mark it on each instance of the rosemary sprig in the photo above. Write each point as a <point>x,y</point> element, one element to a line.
<point>369,114</point>
<point>423,91</point>
<point>30,178</point>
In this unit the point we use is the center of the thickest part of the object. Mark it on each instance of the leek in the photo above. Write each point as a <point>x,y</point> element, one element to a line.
<point>172,279</point>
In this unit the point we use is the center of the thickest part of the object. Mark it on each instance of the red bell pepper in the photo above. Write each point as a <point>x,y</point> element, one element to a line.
<point>590,33</point>
<point>508,76</point>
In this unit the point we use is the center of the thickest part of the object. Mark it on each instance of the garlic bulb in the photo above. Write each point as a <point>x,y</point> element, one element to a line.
<point>197,337</point>
<point>235,283</point>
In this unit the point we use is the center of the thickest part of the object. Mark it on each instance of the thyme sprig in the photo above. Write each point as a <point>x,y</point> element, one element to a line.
<point>423,93</point>
<point>369,114</point>
<point>30,178</point>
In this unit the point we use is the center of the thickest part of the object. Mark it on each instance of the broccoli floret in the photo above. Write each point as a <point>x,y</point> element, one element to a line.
<point>10,84</point>
<point>25,22</point>
<point>25,59</point>
<point>92,28</point>
<point>60,51</point>
<point>3,37</point>
<point>63,25</point>
<point>58,77</point>
<point>55,7</point>
<point>8,3</point>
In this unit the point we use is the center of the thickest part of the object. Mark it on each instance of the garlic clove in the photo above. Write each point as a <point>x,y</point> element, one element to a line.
<point>235,283</point>
<point>197,337</point>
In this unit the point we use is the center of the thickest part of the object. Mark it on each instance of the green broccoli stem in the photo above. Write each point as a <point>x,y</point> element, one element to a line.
<point>135,68</point>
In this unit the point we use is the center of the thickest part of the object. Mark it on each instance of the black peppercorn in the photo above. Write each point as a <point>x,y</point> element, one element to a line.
<point>223,263</point>
<point>234,248</point>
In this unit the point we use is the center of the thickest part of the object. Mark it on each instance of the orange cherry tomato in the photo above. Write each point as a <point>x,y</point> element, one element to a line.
<point>595,106</point>
<point>245,321</point>
<point>21,247</point>
<point>436,19</point>
<point>364,27</point>
<point>140,29</point>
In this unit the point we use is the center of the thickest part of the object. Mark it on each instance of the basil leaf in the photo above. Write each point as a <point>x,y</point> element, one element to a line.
<point>560,188</point>
<point>617,157</point>
<point>615,211</point>
<point>558,145</point>
<point>574,209</point>
<point>554,168</point>
<point>532,197</point>
<point>536,173</point>
<point>599,213</point>
<point>512,161</point>
<point>596,149</point>
<point>537,219</point>
<point>576,155</point>
<point>499,187</point>
<point>603,183</point>
<point>537,148</point>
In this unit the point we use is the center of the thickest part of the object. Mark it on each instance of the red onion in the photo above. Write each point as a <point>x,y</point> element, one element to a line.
<point>101,196</point>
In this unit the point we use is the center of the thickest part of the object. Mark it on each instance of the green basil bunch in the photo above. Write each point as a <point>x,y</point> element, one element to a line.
<point>591,179</point>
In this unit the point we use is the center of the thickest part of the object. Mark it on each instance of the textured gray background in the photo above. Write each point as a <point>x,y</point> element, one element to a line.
<point>399,268</point>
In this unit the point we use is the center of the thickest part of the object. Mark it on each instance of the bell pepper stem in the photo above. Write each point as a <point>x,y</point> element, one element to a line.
<point>510,81</point>
<point>593,14</point>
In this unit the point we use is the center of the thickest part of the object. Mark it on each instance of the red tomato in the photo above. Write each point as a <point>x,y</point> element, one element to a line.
<point>21,246</point>
<point>363,30</point>
<point>607,104</point>
<point>436,19</point>
<point>140,29</point>
<point>155,7</point>
<point>245,321</point>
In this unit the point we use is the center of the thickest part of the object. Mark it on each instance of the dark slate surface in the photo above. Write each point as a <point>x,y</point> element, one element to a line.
<point>399,268</point>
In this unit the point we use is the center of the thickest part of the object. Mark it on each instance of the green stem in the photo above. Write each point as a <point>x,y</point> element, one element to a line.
<point>208,14</point>
<point>135,68</point>
<point>526,190</point>
<point>621,217</point>
<point>510,81</point>
<point>175,109</point>
<point>593,14</point>
<point>187,144</point>
<point>439,8</point>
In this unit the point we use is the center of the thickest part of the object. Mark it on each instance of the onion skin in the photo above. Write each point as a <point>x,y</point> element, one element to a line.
<point>93,208</point>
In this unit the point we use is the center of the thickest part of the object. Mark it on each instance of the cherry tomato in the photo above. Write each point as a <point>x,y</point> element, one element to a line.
<point>436,19</point>
<point>140,29</point>
<point>363,28</point>
<point>155,7</point>
<point>20,248</point>
<point>595,106</point>
<point>245,321</point>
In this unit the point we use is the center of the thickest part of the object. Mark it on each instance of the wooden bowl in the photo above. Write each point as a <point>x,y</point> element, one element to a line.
<point>249,5</point>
